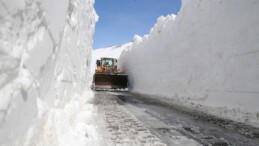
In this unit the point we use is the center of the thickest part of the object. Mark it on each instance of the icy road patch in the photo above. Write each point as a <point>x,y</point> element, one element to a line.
<point>121,127</point>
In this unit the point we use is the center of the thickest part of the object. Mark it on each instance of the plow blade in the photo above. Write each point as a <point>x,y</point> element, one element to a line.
<point>110,81</point>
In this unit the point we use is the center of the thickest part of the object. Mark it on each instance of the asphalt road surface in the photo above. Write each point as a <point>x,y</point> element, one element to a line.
<point>130,120</point>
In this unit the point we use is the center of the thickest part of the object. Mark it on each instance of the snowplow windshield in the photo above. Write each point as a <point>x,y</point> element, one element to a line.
<point>107,62</point>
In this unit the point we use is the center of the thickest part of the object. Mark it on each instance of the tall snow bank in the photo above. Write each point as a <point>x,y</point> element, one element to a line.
<point>205,58</point>
<point>45,52</point>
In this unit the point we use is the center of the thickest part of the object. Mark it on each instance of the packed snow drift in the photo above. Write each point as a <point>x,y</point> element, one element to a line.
<point>206,58</point>
<point>45,53</point>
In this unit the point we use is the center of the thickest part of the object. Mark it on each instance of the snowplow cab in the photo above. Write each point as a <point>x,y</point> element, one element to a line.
<point>107,75</point>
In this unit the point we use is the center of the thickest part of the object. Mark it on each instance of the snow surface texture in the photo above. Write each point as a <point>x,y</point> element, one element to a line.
<point>120,127</point>
<point>45,52</point>
<point>206,58</point>
<point>113,52</point>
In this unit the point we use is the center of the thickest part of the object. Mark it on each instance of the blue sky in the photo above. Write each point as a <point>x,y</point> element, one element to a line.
<point>120,20</point>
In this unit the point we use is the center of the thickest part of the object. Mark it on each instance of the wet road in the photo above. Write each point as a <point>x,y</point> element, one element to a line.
<point>172,127</point>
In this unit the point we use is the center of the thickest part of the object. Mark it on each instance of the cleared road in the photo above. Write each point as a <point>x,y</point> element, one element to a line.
<point>129,120</point>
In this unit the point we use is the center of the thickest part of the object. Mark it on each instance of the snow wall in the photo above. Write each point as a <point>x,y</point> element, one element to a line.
<point>205,58</point>
<point>45,52</point>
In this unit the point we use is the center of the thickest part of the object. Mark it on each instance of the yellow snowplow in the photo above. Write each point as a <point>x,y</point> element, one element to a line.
<point>107,75</point>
